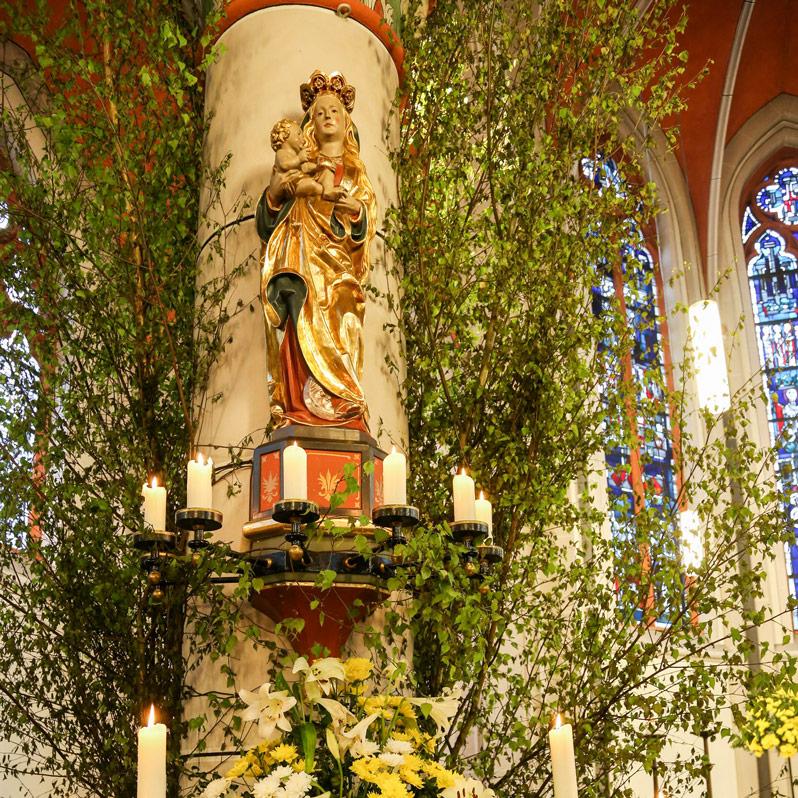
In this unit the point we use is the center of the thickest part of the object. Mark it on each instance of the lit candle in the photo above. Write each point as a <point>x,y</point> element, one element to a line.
<point>464,509</point>
<point>484,511</point>
<point>394,478</point>
<point>152,759</point>
<point>563,764</point>
<point>295,473</point>
<point>154,506</point>
<point>199,487</point>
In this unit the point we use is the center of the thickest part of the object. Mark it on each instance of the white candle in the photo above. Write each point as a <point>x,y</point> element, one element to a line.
<point>199,487</point>
<point>394,478</point>
<point>464,509</point>
<point>295,472</point>
<point>563,764</point>
<point>152,759</point>
<point>154,506</point>
<point>712,378</point>
<point>484,511</point>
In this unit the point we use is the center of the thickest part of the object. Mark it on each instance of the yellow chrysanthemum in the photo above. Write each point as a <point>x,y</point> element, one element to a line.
<point>443,778</point>
<point>284,753</point>
<point>769,741</point>
<point>357,669</point>
<point>410,776</point>
<point>788,750</point>
<point>239,768</point>
<point>367,768</point>
<point>391,786</point>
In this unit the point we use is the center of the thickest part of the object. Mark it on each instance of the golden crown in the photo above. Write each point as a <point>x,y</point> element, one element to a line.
<point>334,83</point>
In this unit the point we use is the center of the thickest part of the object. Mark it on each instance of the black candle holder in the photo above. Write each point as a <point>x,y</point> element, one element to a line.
<point>200,520</point>
<point>397,518</point>
<point>298,513</point>
<point>156,547</point>
<point>490,553</point>
<point>469,530</point>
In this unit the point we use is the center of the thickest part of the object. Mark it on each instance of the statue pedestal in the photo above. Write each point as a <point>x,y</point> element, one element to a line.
<point>290,590</point>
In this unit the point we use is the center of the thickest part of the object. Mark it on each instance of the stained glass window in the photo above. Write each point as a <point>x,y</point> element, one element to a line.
<point>769,235</point>
<point>641,475</point>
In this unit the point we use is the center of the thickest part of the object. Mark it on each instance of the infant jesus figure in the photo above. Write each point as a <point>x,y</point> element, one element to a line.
<point>291,164</point>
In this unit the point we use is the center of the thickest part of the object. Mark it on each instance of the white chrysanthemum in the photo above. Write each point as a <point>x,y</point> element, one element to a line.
<point>268,709</point>
<point>394,746</point>
<point>392,760</point>
<point>265,788</point>
<point>298,785</point>
<point>362,747</point>
<point>216,788</point>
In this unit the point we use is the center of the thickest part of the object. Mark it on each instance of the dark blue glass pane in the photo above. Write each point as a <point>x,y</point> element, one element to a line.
<point>749,224</point>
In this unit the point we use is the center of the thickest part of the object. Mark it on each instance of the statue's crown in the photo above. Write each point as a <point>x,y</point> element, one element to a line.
<point>334,83</point>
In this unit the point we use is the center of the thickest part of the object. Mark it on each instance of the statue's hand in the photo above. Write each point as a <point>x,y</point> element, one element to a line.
<point>348,205</point>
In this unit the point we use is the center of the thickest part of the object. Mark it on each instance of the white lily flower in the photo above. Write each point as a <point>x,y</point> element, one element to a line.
<point>468,788</point>
<point>320,675</point>
<point>355,742</point>
<point>216,788</point>
<point>338,712</point>
<point>441,709</point>
<point>268,709</point>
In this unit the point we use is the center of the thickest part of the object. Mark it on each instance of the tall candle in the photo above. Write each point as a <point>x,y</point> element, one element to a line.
<point>394,478</point>
<point>295,472</point>
<point>199,487</point>
<point>463,487</point>
<point>152,759</point>
<point>563,764</point>
<point>484,511</point>
<point>154,506</point>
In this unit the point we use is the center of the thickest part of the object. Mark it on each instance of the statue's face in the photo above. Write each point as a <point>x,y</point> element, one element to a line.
<point>328,118</point>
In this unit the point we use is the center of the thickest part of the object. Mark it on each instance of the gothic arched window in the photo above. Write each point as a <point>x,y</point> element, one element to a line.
<point>770,241</point>
<point>641,474</point>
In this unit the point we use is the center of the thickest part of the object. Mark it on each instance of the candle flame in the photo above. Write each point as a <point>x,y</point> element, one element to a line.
<point>154,483</point>
<point>462,471</point>
<point>151,721</point>
<point>200,458</point>
<point>296,444</point>
<point>482,495</point>
<point>557,721</point>
<point>393,450</point>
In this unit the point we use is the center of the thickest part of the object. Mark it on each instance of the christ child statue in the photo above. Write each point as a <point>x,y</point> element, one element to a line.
<point>292,165</point>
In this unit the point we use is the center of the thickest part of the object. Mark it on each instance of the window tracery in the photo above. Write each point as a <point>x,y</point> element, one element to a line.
<point>769,235</point>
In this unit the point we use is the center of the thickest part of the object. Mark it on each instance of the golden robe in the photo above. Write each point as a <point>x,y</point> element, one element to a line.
<point>314,265</point>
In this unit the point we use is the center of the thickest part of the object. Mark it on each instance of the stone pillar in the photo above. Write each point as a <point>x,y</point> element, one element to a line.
<point>269,49</point>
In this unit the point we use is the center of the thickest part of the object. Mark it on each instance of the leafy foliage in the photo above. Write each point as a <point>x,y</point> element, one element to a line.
<point>103,363</point>
<point>500,241</point>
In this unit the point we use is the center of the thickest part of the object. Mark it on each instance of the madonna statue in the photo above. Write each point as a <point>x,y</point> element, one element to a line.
<point>316,220</point>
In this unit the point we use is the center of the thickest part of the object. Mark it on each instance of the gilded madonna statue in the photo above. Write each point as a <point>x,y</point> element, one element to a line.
<point>316,220</point>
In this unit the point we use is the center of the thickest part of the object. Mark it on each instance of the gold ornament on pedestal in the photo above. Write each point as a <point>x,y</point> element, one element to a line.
<point>316,220</point>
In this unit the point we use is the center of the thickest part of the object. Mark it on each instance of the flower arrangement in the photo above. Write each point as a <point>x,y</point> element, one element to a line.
<point>771,721</point>
<point>326,732</point>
